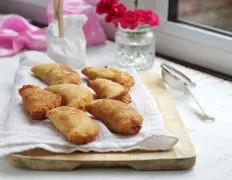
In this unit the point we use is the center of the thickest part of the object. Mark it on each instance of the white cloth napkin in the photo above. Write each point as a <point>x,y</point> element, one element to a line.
<point>18,133</point>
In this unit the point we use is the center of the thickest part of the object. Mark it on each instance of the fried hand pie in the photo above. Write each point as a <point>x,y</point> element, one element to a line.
<point>117,116</point>
<point>38,101</point>
<point>72,95</point>
<point>54,73</point>
<point>121,77</point>
<point>74,124</point>
<point>107,89</point>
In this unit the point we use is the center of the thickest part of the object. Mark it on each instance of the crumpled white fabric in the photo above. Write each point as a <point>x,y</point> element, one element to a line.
<point>18,133</point>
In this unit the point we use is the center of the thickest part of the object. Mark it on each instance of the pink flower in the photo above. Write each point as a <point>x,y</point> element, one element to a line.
<point>151,18</point>
<point>118,14</point>
<point>141,16</point>
<point>154,20</point>
<point>130,20</point>
<point>115,15</point>
<point>105,6</point>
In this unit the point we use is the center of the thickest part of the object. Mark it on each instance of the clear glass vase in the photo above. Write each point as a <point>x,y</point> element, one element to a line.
<point>135,48</point>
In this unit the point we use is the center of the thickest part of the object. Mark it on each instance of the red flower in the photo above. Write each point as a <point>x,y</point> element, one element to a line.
<point>105,6</point>
<point>151,18</point>
<point>142,18</point>
<point>154,20</point>
<point>130,20</point>
<point>118,14</point>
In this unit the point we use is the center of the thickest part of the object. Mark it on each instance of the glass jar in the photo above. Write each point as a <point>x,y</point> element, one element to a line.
<point>135,48</point>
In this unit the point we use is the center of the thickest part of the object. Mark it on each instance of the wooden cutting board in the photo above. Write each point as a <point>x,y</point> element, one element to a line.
<point>182,156</point>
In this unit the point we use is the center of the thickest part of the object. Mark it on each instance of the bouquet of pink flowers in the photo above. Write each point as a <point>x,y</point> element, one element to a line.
<point>118,14</point>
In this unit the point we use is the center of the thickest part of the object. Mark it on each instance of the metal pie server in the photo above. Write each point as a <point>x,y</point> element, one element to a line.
<point>180,81</point>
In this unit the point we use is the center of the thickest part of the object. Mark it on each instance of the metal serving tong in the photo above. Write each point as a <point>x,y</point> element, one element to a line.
<point>180,81</point>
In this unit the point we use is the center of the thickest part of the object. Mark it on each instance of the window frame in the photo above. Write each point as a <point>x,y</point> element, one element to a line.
<point>191,44</point>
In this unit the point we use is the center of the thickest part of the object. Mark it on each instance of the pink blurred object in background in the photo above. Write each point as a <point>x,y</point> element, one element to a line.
<point>93,31</point>
<point>93,2</point>
<point>17,34</point>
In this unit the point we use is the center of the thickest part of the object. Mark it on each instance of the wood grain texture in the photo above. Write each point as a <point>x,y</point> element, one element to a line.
<point>182,156</point>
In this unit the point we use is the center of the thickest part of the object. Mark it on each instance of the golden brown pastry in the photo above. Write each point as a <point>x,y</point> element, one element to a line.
<point>107,89</point>
<point>72,95</point>
<point>116,115</point>
<point>74,124</point>
<point>54,73</point>
<point>121,77</point>
<point>126,98</point>
<point>38,101</point>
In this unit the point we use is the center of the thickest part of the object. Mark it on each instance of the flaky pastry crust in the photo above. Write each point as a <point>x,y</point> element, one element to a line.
<point>107,89</point>
<point>72,95</point>
<point>113,74</point>
<point>74,124</point>
<point>54,73</point>
<point>117,116</point>
<point>38,101</point>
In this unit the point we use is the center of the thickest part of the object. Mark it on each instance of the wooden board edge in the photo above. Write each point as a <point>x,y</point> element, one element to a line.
<point>146,165</point>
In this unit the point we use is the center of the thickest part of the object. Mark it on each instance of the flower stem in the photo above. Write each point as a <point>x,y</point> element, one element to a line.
<point>136,4</point>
